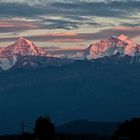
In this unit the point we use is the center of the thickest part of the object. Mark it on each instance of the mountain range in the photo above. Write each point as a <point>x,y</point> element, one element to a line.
<point>116,44</point>
<point>25,53</point>
<point>101,87</point>
<point>82,90</point>
<point>88,127</point>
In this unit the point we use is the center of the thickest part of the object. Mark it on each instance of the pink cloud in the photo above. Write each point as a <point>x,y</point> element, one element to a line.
<point>122,28</point>
<point>68,40</point>
<point>7,25</point>
<point>72,37</point>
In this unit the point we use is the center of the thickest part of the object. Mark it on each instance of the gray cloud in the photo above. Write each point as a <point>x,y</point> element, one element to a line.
<point>43,2</point>
<point>72,14</point>
<point>73,11</point>
<point>68,7</point>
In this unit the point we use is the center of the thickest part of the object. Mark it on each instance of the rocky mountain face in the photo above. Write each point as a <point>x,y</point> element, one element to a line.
<point>22,47</point>
<point>115,45</point>
<point>103,88</point>
<point>38,62</point>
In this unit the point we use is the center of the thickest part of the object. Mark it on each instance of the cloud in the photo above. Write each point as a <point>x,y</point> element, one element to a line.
<point>131,32</point>
<point>68,40</point>
<point>10,25</point>
<point>73,9</point>
<point>52,37</point>
<point>80,37</point>
<point>73,14</point>
<point>42,2</point>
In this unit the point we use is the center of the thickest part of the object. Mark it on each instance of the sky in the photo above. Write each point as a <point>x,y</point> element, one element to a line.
<point>68,23</point>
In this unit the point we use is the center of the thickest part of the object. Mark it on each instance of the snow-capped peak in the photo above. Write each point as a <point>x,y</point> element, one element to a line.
<point>22,47</point>
<point>22,42</point>
<point>116,44</point>
<point>124,39</point>
<point>22,39</point>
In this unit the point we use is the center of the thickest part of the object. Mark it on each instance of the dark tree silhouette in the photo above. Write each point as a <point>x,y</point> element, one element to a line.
<point>128,129</point>
<point>44,129</point>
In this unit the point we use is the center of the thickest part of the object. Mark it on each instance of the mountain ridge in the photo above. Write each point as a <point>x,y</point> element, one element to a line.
<point>22,47</point>
<point>88,127</point>
<point>81,90</point>
<point>116,44</point>
<point>115,49</point>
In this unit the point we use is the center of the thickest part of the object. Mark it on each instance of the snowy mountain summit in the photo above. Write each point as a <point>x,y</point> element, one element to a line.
<point>25,53</point>
<point>22,47</point>
<point>116,44</point>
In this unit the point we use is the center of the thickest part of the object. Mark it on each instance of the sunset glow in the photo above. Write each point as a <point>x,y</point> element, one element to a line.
<point>69,69</point>
<point>44,23</point>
